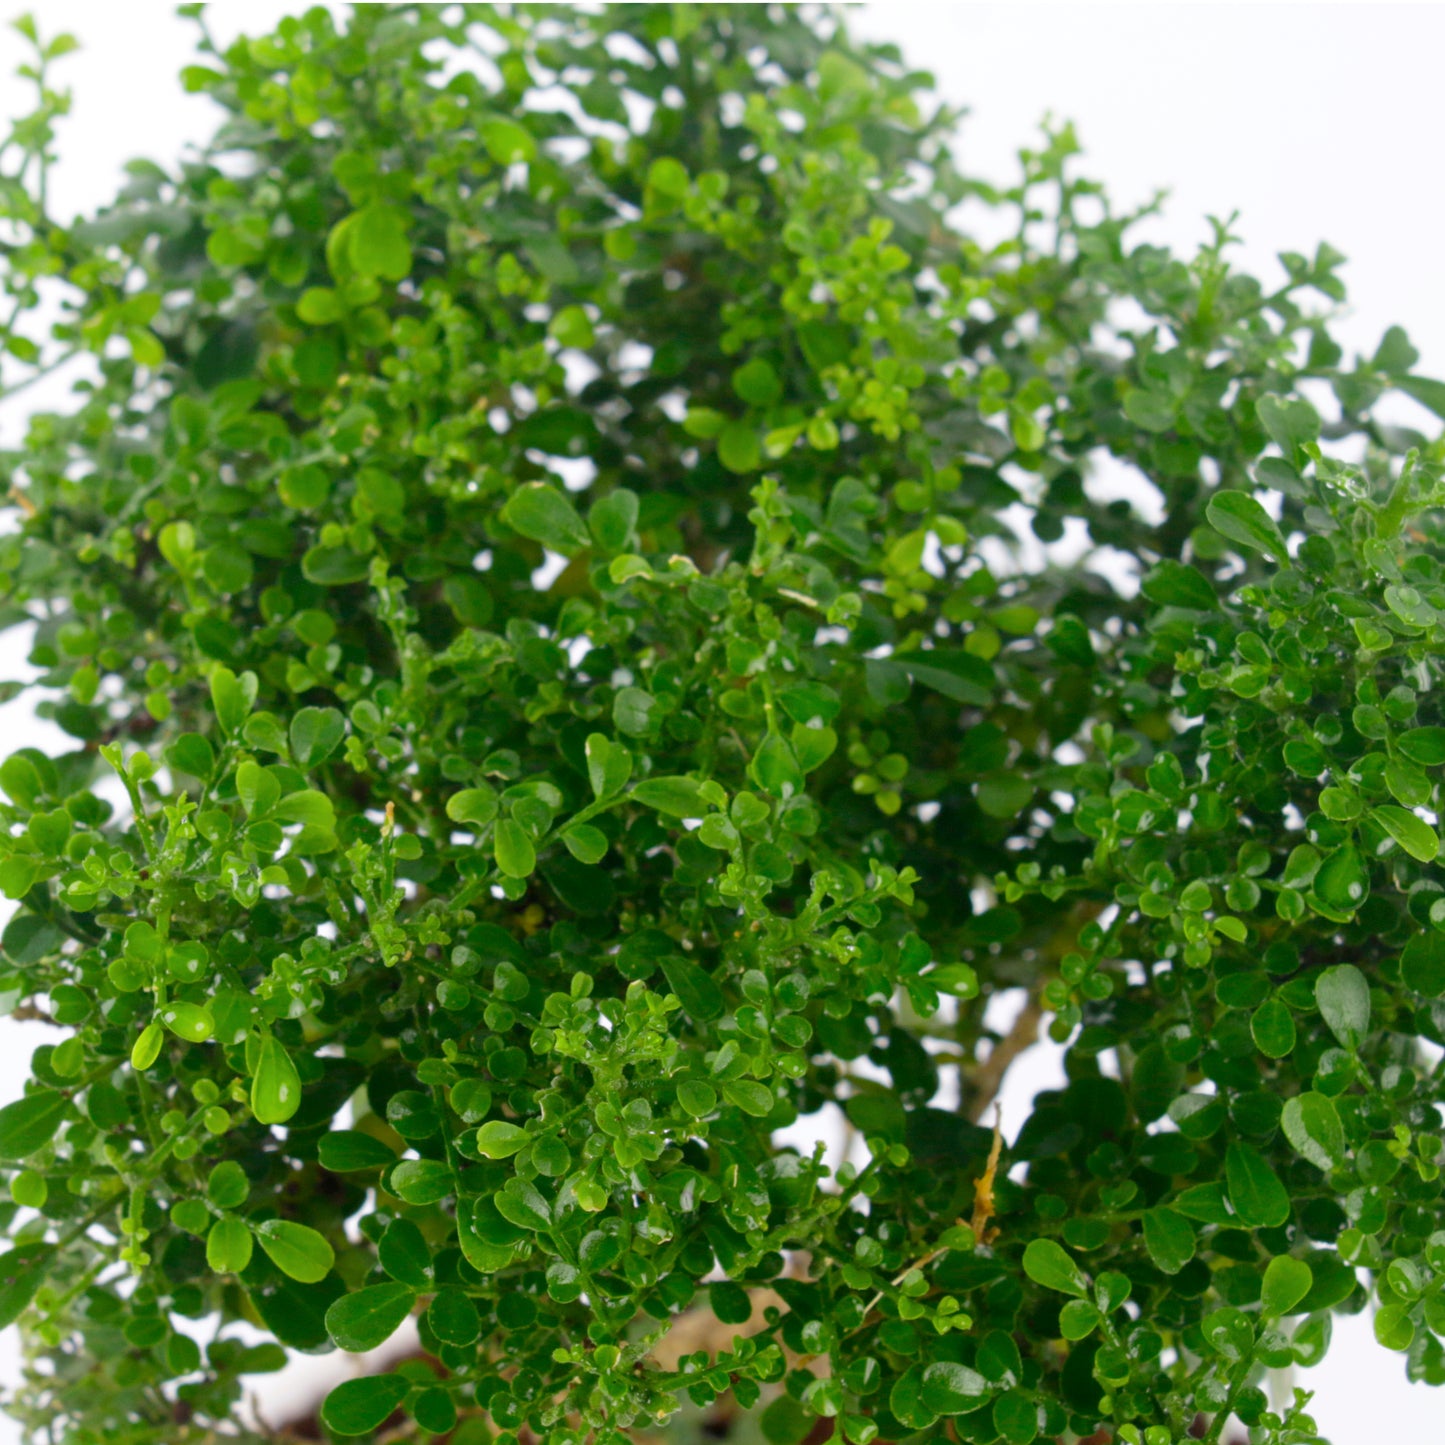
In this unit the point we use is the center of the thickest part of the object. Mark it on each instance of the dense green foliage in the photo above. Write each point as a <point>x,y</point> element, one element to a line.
<point>590,633</point>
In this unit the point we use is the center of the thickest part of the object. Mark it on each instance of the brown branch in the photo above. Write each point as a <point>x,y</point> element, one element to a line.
<point>988,1078</point>
<point>31,1011</point>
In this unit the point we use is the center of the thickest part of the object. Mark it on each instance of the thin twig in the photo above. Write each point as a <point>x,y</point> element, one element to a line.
<point>983,1190</point>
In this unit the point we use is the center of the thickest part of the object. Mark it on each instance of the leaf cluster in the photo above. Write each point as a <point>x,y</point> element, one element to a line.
<point>589,633</point>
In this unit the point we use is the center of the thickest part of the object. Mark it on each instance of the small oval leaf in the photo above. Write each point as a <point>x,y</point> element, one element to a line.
<point>29,1124</point>
<point>1049,1264</point>
<point>1239,517</point>
<point>275,1085</point>
<point>357,1407</point>
<point>1286,1282</point>
<point>296,1250</point>
<point>361,1321</point>
<point>228,1246</point>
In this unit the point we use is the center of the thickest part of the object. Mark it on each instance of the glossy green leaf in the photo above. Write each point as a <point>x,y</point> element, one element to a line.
<point>1239,517</point>
<point>229,1246</point>
<point>257,788</point>
<point>403,1253</point>
<point>312,809</point>
<point>1422,964</point>
<point>188,1021</point>
<point>751,1097</point>
<point>513,850</point>
<point>297,1250</point>
<point>18,876</point>
<point>1410,606</point>
<point>316,733</point>
<point>275,1084</point>
<point>730,1302</point>
<point>369,1317</point>
<point>1169,1238</point>
<point>192,754</point>
<point>471,1098</point>
<point>1423,745</point>
<point>22,1271</point>
<point>357,1407</point>
<point>585,843</point>
<point>1286,1282</point>
<point>775,768</point>
<point>701,998</point>
<point>1272,1025</point>
<point>29,1124</point>
<point>1049,1264</point>
<point>546,516</point>
<point>474,806</point>
<point>1078,1319</point>
<point>613,518</point>
<point>421,1181</point>
<point>453,1318</point>
<point>697,1098</point>
<point>632,711</point>
<point>144,1052</point>
<point>435,1411</point>
<point>1413,834</point>
<point>955,674</point>
<point>232,697</point>
<point>1290,421</point>
<point>785,1422</point>
<point>951,1389</point>
<point>1255,1191</point>
<point>523,1205</point>
<point>1017,1417</point>
<point>1343,882</point>
<point>347,1151</point>
<point>609,766</point>
<point>227,1187</point>
<point>1312,1125</point>
<point>334,566</point>
<point>1394,1328</point>
<point>677,797</point>
<point>499,1139</point>
<point>1173,584</point>
<point>1343,997</point>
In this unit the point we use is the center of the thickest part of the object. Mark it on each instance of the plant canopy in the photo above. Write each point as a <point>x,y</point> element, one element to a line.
<point>594,623</point>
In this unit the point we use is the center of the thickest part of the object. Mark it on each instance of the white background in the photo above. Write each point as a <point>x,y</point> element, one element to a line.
<point>1314,121</point>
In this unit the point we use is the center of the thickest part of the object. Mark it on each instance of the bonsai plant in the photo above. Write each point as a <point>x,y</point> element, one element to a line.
<point>588,637</point>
